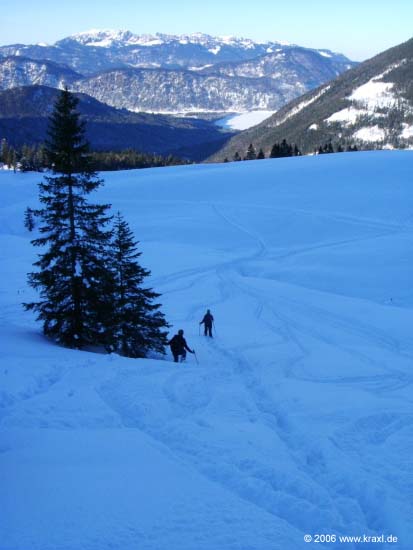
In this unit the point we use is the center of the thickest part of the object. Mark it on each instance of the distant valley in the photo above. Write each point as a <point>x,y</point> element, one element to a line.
<point>200,76</point>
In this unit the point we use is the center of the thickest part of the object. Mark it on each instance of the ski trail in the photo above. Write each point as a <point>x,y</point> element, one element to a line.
<point>41,385</point>
<point>324,317</point>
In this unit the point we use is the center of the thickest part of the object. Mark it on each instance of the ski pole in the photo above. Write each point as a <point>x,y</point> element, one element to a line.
<point>196,358</point>
<point>215,330</point>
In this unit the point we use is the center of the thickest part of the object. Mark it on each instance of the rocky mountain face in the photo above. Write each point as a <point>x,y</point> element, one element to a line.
<point>175,74</point>
<point>370,106</point>
<point>18,71</point>
<point>293,65</point>
<point>182,91</point>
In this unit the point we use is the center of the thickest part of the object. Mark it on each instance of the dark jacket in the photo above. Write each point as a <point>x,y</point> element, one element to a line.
<point>207,320</point>
<point>178,344</point>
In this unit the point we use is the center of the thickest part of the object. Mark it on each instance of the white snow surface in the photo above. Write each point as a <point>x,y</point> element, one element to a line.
<point>243,121</point>
<point>370,134</point>
<point>349,115</point>
<point>298,418</point>
<point>324,53</point>
<point>374,94</point>
<point>407,131</point>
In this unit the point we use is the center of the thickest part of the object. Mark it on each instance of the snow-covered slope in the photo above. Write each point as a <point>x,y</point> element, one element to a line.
<point>370,106</point>
<point>297,419</point>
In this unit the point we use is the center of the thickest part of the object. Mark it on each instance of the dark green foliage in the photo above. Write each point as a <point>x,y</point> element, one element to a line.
<point>8,155</point>
<point>89,280</point>
<point>29,223</point>
<point>131,159</point>
<point>326,148</point>
<point>73,280</point>
<point>137,324</point>
<point>4,151</point>
<point>33,158</point>
<point>284,149</point>
<point>352,148</point>
<point>251,153</point>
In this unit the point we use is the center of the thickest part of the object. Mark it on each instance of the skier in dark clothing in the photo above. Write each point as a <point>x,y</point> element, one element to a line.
<point>207,322</point>
<point>179,347</point>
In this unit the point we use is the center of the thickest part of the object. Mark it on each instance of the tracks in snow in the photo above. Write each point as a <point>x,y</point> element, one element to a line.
<point>270,461</point>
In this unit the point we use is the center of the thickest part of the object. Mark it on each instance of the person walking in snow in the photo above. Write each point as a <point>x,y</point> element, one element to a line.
<point>179,347</point>
<point>207,322</point>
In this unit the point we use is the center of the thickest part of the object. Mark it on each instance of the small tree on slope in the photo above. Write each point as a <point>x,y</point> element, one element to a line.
<point>73,279</point>
<point>137,322</point>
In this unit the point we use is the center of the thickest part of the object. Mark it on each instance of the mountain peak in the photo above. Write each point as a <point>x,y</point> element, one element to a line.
<point>101,37</point>
<point>107,38</point>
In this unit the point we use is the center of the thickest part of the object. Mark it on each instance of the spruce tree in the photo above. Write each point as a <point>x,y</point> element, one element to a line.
<point>73,280</point>
<point>285,149</point>
<point>4,151</point>
<point>29,219</point>
<point>137,324</point>
<point>11,158</point>
<point>251,153</point>
<point>275,151</point>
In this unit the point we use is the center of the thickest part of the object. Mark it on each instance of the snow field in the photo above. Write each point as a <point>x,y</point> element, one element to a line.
<point>298,418</point>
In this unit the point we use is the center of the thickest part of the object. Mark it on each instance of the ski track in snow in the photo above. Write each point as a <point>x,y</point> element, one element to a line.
<point>298,408</point>
<point>270,414</point>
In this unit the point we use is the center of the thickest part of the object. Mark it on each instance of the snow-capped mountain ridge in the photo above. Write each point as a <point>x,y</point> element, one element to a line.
<point>109,37</point>
<point>91,51</point>
<point>195,73</point>
<point>176,73</point>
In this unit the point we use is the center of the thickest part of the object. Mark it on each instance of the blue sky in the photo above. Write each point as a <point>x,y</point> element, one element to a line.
<point>357,28</point>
